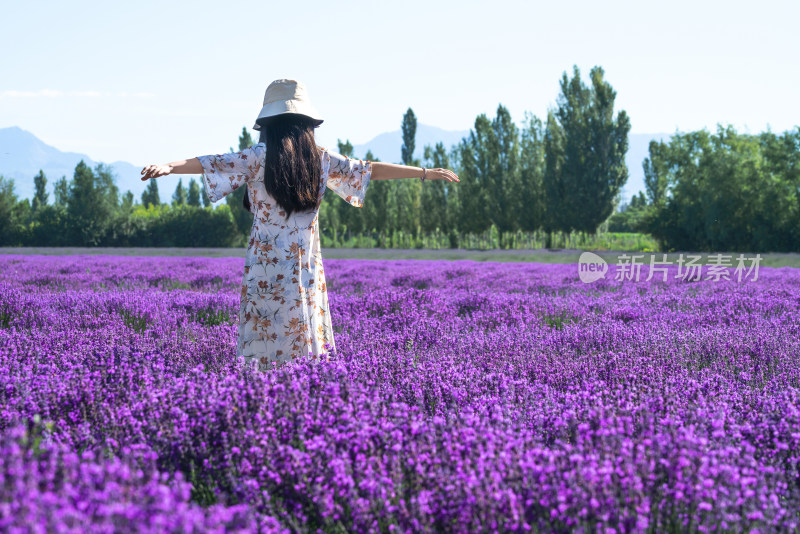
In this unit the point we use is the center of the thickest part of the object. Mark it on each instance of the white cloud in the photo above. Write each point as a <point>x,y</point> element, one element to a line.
<point>136,95</point>
<point>50,93</point>
<point>30,94</point>
<point>92,94</point>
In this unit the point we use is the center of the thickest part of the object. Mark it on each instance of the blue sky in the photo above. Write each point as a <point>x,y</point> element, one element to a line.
<point>156,81</point>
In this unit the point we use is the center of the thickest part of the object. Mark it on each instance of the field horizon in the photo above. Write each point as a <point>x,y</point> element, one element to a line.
<point>768,259</point>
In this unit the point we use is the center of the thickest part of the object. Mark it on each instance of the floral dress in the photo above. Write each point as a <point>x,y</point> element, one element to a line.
<point>283,314</point>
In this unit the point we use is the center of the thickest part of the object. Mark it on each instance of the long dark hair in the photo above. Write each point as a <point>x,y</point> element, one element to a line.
<point>292,166</point>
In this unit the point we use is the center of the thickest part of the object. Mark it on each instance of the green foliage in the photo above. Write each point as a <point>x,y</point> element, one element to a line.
<point>630,216</point>
<point>61,191</point>
<point>492,239</point>
<point>504,205</point>
<point>127,201</point>
<point>725,191</point>
<point>245,139</point>
<point>5,318</point>
<point>473,189</point>
<point>379,214</point>
<point>181,226</point>
<point>11,214</point>
<point>345,149</point>
<point>345,217</point>
<point>491,175</point>
<point>434,211</point>
<point>37,431</point>
<point>204,194</point>
<point>193,197</point>
<point>242,217</point>
<point>531,174</point>
<point>406,193</point>
<point>105,223</point>
<point>150,195</point>
<point>409,128</point>
<point>212,316</point>
<point>40,196</point>
<point>179,196</point>
<point>49,227</point>
<point>202,491</point>
<point>133,320</point>
<point>91,203</point>
<point>585,154</point>
<point>557,320</point>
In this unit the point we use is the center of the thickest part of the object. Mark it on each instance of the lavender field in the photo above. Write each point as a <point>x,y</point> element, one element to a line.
<point>464,397</point>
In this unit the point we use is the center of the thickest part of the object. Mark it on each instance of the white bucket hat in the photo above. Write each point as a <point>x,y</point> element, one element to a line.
<point>287,96</point>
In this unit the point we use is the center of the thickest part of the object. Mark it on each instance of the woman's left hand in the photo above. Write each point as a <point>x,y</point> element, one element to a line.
<point>154,171</point>
<point>441,174</point>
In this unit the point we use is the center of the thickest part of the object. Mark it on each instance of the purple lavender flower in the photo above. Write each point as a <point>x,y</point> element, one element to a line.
<point>463,397</point>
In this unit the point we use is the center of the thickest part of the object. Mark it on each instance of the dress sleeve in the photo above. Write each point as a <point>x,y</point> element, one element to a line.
<point>225,173</point>
<point>349,178</point>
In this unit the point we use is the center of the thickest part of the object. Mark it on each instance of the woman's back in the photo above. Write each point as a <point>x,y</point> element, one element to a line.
<point>284,312</point>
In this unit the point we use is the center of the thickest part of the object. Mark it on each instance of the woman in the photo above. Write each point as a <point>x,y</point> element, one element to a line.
<point>284,314</point>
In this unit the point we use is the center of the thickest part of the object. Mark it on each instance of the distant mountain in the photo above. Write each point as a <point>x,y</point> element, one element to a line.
<point>22,154</point>
<point>387,146</point>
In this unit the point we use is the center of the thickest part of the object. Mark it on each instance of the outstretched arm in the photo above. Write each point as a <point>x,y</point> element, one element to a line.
<point>186,166</point>
<point>391,171</point>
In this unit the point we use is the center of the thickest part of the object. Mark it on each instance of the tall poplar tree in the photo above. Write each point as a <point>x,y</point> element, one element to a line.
<point>61,192</point>
<point>655,175</point>
<point>473,215</point>
<point>409,129</point>
<point>532,168</point>
<point>243,218</point>
<point>502,179</point>
<point>179,196</point>
<point>376,212</point>
<point>345,148</point>
<point>193,197</point>
<point>433,202</point>
<point>585,150</point>
<point>352,219</point>
<point>10,219</point>
<point>92,202</point>
<point>406,193</point>
<point>150,195</point>
<point>40,195</point>
<point>556,190</point>
<point>127,200</point>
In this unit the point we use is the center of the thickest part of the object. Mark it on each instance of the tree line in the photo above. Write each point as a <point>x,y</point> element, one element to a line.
<point>720,191</point>
<point>521,186</point>
<point>88,210</point>
<point>561,175</point>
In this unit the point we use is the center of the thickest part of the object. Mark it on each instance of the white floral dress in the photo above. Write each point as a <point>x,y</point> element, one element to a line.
<point>283,314</point>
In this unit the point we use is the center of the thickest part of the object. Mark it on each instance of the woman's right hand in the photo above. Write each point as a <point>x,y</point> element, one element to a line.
<point>154,171</point>
<point>441,174</point>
